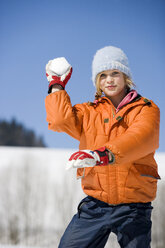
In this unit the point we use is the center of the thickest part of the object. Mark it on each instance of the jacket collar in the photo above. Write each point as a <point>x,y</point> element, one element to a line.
<point>127,99</point>
<point>130,97</point>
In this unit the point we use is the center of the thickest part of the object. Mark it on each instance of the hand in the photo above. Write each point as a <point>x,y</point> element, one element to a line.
<point>58,71</point>
<point>87,158</point>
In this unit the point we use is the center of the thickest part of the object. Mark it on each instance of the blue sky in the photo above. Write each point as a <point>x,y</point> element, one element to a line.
<point>35,31</point>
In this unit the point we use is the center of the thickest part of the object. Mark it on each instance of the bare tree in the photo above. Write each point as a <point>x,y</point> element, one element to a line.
<point>23,193</point>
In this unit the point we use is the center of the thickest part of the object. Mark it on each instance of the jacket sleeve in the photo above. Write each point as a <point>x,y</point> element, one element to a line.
<point>61,116</point>
<point>140,139</point>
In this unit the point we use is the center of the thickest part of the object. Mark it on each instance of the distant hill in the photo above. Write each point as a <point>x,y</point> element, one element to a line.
<point>15,134</point>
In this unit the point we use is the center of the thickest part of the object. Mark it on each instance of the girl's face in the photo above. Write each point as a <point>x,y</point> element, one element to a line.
<point>112,83</point>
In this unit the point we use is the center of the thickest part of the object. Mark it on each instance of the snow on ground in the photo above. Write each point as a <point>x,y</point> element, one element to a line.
<point>55,158</point>
<point>17,246</point>
<point>160,159</point>
<point>52,162</point>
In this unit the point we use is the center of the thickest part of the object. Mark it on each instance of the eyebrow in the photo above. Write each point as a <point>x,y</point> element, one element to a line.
<point>104,72</point>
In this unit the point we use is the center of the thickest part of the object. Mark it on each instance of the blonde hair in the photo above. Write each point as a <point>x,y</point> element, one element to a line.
<point>129,84</point>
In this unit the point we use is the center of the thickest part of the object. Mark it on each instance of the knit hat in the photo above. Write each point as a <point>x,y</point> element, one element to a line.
<point>108,58</point>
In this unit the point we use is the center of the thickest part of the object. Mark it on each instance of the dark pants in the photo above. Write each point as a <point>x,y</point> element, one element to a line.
<point>95,220</point>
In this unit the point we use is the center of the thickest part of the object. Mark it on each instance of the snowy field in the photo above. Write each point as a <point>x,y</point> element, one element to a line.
<point>38,197</point>
<point>17,246</point>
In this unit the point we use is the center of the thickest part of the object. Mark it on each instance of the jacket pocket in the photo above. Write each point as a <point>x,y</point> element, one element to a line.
<point>147,171</point>
<point>89,209</point>
<point>82,172</point>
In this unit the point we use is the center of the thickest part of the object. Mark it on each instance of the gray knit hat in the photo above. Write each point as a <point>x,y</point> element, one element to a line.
<point>108,58</point>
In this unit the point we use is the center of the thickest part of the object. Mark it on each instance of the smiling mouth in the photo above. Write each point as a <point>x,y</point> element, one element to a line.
<point>111,87</point>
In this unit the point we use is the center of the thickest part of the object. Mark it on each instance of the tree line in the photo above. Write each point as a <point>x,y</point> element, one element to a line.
<point>13,133</point>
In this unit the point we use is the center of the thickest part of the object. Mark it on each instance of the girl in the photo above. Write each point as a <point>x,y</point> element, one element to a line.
<point>118,134</point>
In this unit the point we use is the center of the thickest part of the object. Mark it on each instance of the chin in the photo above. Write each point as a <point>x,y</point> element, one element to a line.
<point>110,94</point>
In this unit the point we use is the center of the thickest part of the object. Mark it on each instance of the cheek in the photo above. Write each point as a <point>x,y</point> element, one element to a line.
<point>121,83</point>
<point>101,84</point>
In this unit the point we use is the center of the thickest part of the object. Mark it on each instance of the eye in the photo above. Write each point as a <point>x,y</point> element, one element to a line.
<point>102,75</point>
<point>115,73</point>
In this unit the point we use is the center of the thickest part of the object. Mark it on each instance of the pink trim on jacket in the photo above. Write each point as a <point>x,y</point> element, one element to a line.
<point>127,99</point>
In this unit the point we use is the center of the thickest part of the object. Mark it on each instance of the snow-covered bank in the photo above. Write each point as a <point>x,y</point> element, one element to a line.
<point>160,159</point>
<point>38,197</point>
<point>56,158</point>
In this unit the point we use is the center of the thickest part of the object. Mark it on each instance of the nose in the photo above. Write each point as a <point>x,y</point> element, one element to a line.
<point>109,79</point>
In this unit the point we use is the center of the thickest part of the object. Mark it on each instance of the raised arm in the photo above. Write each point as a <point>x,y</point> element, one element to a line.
<point>61,116</point>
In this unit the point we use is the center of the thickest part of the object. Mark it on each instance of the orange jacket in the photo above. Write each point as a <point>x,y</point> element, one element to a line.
<point>132,135</point>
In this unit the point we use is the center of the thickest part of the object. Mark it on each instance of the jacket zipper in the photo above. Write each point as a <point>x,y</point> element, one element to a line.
<point>113,114</point>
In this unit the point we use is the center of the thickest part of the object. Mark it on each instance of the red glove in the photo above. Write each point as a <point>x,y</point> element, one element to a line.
<point>87,158</point>
<point>58,71</point>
